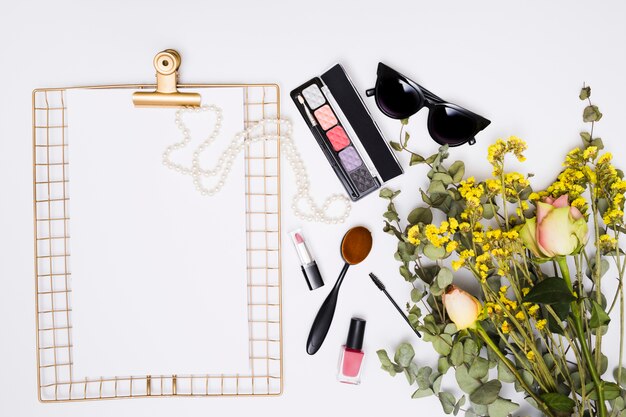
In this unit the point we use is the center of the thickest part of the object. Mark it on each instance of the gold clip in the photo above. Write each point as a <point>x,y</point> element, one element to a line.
<point>166,64</point>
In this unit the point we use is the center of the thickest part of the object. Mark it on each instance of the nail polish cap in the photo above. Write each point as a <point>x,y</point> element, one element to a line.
<point>356,333</point>
<point>313,276</point>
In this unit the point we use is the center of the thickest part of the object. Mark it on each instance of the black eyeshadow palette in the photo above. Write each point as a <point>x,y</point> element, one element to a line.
<point>325,103</point>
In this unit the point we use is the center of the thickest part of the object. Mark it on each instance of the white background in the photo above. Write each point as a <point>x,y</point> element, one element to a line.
<point>519,65</point>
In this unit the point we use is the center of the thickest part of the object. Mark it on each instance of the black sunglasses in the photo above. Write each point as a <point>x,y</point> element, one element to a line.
<point>399,98</point>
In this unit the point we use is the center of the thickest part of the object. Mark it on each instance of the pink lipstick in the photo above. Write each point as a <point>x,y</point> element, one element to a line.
<point>309,267</point>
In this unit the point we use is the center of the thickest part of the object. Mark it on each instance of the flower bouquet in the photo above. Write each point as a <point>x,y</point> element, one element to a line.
<point>539,260</point>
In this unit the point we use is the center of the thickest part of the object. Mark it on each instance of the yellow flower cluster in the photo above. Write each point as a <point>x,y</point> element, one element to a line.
<point>463,257</point>
<point>484,263</point>
<point>510,305</point>
<point>414,235</point>
<point>498,249</point>
<point>442,235</point>
<point>514,183</point>
<point>612,188</point>
<point>590,153</point>
<point>493,185</point>
<point>497,151</point>
<point>506,327</point>
<point>571,181</point>
<point>471,192</point>
<point>541,324</point>
<point>607,243</point>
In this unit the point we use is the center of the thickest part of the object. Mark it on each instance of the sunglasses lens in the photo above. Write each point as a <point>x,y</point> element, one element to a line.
<point>450,126</point>
<point>396,98</point>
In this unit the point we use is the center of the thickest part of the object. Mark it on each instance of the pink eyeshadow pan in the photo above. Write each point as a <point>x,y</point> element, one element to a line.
<point>325,117</point>
<point>338,138</point>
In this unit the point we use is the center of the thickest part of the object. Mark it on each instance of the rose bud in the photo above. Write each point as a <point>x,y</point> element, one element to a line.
<point>462,308</point>
<point>558,230</point>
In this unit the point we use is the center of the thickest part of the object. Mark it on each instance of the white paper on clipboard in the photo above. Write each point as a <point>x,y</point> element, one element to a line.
<point>158,271</point>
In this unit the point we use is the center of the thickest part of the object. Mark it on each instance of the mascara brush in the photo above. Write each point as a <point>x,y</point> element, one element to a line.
<point>381,287</point>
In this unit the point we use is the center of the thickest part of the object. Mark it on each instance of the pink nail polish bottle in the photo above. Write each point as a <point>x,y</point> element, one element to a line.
<point>351,359</point>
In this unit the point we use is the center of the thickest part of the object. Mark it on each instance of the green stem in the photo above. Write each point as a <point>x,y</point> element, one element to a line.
<point>483,334</point>
<point>580,333</point>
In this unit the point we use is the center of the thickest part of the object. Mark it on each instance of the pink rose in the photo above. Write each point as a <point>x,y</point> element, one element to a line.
<point>463,309</point>
<point>558,230</point>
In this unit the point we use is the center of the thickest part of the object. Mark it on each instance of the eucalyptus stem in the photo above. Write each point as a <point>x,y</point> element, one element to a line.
<point>620,289</point>
<point>597,273</point>
<point>580,333</point>
<point>487,339</point>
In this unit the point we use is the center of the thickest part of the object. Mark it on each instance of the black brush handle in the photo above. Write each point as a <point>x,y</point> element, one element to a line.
<point>324,317</point>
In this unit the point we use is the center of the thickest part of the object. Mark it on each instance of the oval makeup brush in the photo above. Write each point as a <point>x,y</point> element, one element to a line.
<point>355,246</point>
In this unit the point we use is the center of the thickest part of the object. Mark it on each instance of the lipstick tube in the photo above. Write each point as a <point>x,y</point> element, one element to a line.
<point>309,267</point>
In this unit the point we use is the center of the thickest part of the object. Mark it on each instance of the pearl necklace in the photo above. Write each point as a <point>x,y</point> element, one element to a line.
<point>224,163</point>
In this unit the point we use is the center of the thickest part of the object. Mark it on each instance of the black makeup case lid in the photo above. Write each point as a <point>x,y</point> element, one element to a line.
<point>361,121</point>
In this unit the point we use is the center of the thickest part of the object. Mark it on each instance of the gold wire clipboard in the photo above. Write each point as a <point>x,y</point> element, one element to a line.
<point>53,275</point>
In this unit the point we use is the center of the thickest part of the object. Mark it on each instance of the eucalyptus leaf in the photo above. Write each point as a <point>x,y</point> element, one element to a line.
<point>404,121</point>
<point>604,364</point>
<point>456,355</point>
<point>479,368</point>
<point>404,355</point>
<point>488,211</point>
<point>435,289</point>
<point>458,405</point>
<point>420,215</point>
<point>385,193</point>
<point>437,384</point>
<point>411,373</point>
<point>436,187</point>
<point>550,291</point>
<point>443,344</point>
<point>591,114</point>
<point>611,391</point>
<point>447,402</point>
<point>443,365</point>
<point>422,377</point>
<point>591,268</point>
<point>406,274</point>
<point>434,253</point>
<point>417,295</point>
<point>444,278</point>
<point>431,159</point>
<point>470,349</point>
<point>450,328</point>
<point>622,380</point>
<point>428,273</point>
<point>480,409</point>
<point>446,179</point>
<point>487,393</point>
<point>416,159</point>
<point>391,216</point>
<point>586,137</point>
<point>598,316</point>
<point>465,381</point>
<point>585,93</point>
<point>421,393</point>
<point>395,145</point>
<point>386,363</point>
<point>457,170</point>
<point>501,408</point>
<point>504,374</point>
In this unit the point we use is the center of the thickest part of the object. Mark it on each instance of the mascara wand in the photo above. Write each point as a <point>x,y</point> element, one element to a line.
<point>381,287</point>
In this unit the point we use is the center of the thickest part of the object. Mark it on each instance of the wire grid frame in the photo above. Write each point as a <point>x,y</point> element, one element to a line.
<point>51,199</point>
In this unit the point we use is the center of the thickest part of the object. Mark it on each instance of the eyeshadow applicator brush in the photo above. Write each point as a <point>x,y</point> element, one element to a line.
<point>381,287</point>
